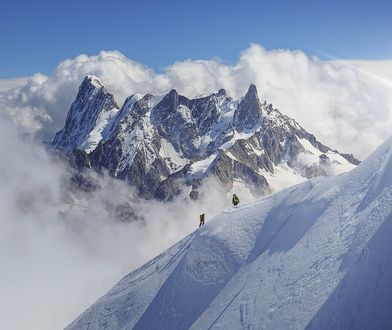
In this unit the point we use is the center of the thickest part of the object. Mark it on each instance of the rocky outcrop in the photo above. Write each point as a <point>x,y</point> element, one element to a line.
<point>249,114</point>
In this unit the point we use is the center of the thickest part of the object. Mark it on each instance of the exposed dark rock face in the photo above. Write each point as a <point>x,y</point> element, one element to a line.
<point>248,114</point>
<point>166,145</point>
<point>351,159</point>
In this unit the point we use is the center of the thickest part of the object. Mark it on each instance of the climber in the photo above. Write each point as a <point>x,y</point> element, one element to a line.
<point>235,200</point>
<point>202,217</point>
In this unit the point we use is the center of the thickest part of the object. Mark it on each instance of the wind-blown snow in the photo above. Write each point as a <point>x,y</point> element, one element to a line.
<point>317,256</point>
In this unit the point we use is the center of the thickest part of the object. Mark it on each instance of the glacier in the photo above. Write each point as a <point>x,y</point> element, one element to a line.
<point>313,256</point>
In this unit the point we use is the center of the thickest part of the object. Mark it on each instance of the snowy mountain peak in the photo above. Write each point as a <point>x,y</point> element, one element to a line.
<point>172,97</point>
<point>94,81</point>
<point>158,143</point>
<point>90,113</point>
<point>252,91</point>
<point>249,113</point>
<point>221,92</point>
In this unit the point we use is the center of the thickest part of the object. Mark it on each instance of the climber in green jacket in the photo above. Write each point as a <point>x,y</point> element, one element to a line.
<point>235,200</point>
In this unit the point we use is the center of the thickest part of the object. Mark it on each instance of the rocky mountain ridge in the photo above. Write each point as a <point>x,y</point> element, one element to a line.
<point>164,145</point>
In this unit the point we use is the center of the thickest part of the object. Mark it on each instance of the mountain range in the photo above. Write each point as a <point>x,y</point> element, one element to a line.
<point>169,144</point>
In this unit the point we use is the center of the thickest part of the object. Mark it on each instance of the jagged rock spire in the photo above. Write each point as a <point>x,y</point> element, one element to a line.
<point>248,114</point>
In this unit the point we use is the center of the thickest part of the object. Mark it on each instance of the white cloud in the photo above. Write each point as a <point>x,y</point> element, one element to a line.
<point>7,84</point>
<point>380,70</point>
<point>346,108</point>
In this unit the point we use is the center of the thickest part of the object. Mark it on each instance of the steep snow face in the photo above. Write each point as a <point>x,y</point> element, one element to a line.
<point>99,132</point>
<point>316,256</point>
<point>171,157</point>
<point>198,169</point>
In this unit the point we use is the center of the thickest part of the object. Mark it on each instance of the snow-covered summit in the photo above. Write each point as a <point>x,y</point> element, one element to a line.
<point>93,109</point>
<point>95,81</point>
<point>314,256</point>
<point>157,143</point>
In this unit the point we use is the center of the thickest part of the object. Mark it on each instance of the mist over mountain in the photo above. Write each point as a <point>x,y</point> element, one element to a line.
<point>63,244</point>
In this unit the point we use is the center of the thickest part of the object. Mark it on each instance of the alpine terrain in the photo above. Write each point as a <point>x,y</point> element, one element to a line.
<point>314,256</point>
<point>164,145</point>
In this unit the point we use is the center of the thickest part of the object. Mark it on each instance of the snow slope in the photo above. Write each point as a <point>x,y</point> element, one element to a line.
<point>317,256</point>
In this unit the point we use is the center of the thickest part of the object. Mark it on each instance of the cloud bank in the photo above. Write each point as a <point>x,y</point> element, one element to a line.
<point>344,107</point>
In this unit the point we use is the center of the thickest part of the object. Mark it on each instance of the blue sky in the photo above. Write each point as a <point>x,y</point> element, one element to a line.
<point>36,35</point>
